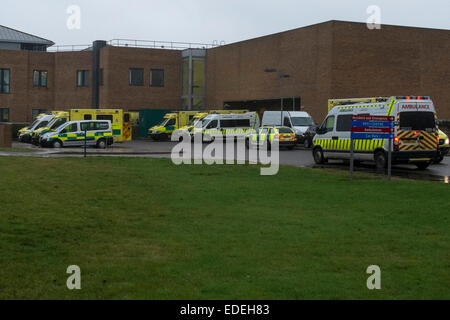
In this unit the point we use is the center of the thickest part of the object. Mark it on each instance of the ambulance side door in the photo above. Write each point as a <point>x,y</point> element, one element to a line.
<point>328,132</point>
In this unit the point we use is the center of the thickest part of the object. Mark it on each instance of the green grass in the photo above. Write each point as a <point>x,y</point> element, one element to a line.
<point>2,149</point>
<point>147,229</point>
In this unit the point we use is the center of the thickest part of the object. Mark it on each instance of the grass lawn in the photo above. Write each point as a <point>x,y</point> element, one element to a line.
<point>147,229</point>
<point>2,149</point>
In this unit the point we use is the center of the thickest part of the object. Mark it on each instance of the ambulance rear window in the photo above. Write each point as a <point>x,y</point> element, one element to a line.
<point>417,120</point>
<point>285,130</point>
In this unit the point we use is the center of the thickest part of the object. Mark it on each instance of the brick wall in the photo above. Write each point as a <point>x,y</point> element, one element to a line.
<point>116,91</point>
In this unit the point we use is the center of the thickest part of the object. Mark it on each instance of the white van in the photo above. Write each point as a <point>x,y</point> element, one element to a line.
<point>415,133</point>
<point>300,121</point>
<point>98,133</point>
<point>227,125</point>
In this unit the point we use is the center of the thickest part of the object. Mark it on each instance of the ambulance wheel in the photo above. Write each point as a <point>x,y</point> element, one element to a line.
<point>101,144</point>
<point>306,144</point>
<point>318,156</point>
<point>380,160</point>
<point>422,165</point>
<point>57,144</point>
<point>439,159</point>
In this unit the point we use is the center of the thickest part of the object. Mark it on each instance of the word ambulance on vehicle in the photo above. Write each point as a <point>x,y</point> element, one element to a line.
<point>416,140</point>
<point>217,126</point>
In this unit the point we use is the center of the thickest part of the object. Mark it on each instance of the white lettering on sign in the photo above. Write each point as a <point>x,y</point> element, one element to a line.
<point>415,107</point>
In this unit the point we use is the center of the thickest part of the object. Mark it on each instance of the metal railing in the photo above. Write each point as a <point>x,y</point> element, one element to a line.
<point>65,48</point>
<point>153,44</point>
<point>150,44</point>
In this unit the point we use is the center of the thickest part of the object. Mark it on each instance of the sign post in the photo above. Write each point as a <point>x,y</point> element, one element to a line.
<point>367,127</point>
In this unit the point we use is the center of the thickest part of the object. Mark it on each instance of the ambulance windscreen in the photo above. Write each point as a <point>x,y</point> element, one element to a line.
<point>417,120</point>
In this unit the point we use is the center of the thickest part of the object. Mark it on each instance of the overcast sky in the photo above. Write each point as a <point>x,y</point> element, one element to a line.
<point>205,20</point>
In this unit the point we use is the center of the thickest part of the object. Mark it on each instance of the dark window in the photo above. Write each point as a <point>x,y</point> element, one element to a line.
<point>286,122</point>
<point>228,123</point>
<point>73,127</point>
<point>5,80</point>
<point>126,117</point>
<point>105,117</point>
<point>285,130</point>
<point>87,126</point>
<point>417,120</point>
<point>136,77</point>
<point>157,78</point>
<point>212,124</point>
<point>101,126</point>
<point>42,124</point>
<point>344,123</point>
<point>88,117</point>
<point>82,78</point>
<point>4,115</point>
<point>171,122</point>
<point>40,78</point>
<point>100,77</point>
<point>243,123</point>
<point>36,112</point>
<point>328,124</point>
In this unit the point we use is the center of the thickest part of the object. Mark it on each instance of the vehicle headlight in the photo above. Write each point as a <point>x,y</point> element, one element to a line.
<point>446,141</point>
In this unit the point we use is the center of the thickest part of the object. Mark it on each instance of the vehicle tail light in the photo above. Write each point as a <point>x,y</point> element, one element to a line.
<point>437,139</point>
<point>408,98</point>
<point>396,143</point>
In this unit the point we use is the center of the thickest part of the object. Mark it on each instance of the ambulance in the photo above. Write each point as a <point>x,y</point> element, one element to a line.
<point>170,122</point>
<point>217,126</point>
<point>119,121</point>
<point>416,139</point>
<point>60,118</point>
<point>97,133</point>
<point>199,117</point>
<point>41,121</point>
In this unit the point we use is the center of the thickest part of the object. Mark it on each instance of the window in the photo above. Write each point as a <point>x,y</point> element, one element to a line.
<point>344,123</point>
<point>82,78</point>
<point>157,78</point>
<point>171,122</point>
<point>286,122</point>
<point>212,124</point>
<point>42,124</point>
<point>36,112</point>
<point>126,117</point>
<point>4,80</point>
<point>101,126</point>
<point>243,123</point>
<point>417,120</point>
<point>285,130</point>
<point>40,78</point>
<point>88,117</point>
<point>136,77</point>
<point>228,123</point>
<point>4,115</point>
<point>87,126</point>
<point>73,127</point>
<point>302,121</point>
<point>105,117</point>
<point>328,124</point>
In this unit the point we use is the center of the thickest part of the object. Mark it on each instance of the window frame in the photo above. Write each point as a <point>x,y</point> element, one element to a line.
<point>3,85</point>
<point>2,112</point>
<point>39,82</point>
<point>130,82</point>
<point>85,80</point>
<point>163,78</point>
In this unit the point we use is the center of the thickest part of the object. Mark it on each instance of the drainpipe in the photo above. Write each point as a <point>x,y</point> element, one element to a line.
<point>96,46</point>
